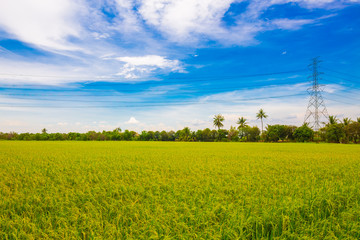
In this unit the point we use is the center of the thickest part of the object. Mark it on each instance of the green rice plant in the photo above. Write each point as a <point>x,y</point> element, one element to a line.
<point>177,190</point>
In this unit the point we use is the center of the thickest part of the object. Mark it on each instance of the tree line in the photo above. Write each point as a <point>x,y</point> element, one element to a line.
<point>335,131</point>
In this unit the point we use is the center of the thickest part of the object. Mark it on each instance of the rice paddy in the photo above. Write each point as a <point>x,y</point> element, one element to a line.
<point>176,190</point>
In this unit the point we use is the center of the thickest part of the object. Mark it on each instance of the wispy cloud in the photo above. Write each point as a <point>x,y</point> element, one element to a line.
<point>136,67</point>
<point>291,24</point>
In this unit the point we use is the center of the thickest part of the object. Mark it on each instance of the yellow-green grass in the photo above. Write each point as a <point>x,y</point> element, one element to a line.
<point>171,190</point>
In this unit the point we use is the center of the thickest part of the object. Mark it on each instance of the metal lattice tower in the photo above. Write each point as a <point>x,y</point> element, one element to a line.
<point>316,108</point>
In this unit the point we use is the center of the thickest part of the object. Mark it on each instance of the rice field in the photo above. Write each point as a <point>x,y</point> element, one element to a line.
<point>174,190</point>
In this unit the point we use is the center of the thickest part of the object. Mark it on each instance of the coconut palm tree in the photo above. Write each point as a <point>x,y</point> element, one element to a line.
<point>242,122</point>
<point>332,120</point>
<point>218,119</point>
<point>260,115</point>
<point>346,121</point>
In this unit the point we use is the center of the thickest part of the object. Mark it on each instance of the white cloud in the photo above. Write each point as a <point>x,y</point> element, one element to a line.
<point>135,67</point>
<point>132,120</point>
<point>195,21</point>
<point>317,3</point>
<point>290,24</point>
<point>332,88</point>
<point>150,60</point>
<point>179,20</point>
<point>54,25</point>
<point>310,4</point>
<point>20,71</point>
<point>46,24</point>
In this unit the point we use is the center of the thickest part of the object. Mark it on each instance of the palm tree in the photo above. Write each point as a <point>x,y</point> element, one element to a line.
<point>332,120</point>
<point>346,121</point>
<point>242,122</point>
<point>218,119</point>
<point>260,115</point>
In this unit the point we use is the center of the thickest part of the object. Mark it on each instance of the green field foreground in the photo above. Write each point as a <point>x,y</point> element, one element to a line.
<point>174,190</point>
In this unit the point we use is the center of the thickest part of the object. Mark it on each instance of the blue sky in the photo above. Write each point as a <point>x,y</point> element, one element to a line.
<point>165,64</point>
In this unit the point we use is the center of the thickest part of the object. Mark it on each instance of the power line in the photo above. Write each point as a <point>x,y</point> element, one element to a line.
<point>151,82</point>
<point>142,102</point>
<point>332,81</point>
<point>181,91</point>
<point>345,79</point>
<point>155,104</point>
<point>198,79</point>
<point>83,78</point>
<point>338,72</point>
<point>339,101</point>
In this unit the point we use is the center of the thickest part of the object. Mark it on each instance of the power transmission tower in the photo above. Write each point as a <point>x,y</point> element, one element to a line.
<point>316,106</point>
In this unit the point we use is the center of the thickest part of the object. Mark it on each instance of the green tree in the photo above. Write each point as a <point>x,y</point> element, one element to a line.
<point>164,136</point>
<point>233,134</point>
<point>251,134</point>
<point>275,133</point>
<point>115,135</point>
<point>144,136</point>
<point>334,133</point>
<point>354,131</point>
<point>157,135</point>
<point>207,135</point>
<point>171,135</point>
<point>218,119</point>
<point>346,122</point>
<point>185,135</point>
<point>44,130</point>
<point>304,133</point>
<point>242,124</point>
<point>127,135</point>
<point>260,115</point>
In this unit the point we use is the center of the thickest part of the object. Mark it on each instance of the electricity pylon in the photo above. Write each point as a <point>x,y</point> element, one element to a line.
<point>316,107</point>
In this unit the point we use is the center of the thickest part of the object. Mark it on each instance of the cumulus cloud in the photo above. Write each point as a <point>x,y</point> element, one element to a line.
<point>132,120</point>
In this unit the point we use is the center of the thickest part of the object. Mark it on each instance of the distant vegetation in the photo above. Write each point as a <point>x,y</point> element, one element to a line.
<point>334,131</point>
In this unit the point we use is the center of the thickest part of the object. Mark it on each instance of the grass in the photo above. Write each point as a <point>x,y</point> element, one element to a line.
<point>170,190</point>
